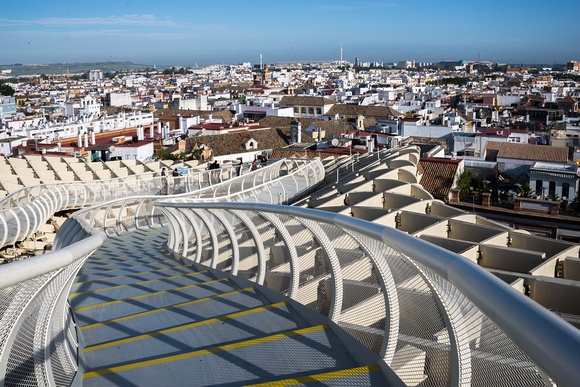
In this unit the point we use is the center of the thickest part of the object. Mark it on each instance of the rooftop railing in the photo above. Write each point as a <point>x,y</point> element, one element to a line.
<point>26,210</point>
<point>38,338</point>
<point>435,317</point>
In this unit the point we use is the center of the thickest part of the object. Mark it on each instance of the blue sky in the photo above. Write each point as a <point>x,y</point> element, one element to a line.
<point>189,32</point>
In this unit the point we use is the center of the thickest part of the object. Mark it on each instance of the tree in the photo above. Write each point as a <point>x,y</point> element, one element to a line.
<point>6,90</point>
<point>464,183</point>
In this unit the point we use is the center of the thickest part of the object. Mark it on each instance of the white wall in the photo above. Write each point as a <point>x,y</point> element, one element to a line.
<point>140,153</point>
<point>120,99</point>
<point>431,131</point>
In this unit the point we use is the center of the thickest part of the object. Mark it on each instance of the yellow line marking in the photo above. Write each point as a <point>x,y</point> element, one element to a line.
<point>202,352</point>
<point>320,377</point>
<point>165,308</point>
<point>148,295</point>
<point>134,274</point>
<point>128,267</point>
<point>135,283</point>
<point>116,263</point>
<point>184,327</point>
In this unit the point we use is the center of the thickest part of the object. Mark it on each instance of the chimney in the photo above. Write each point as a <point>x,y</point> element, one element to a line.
<point>79,140</point>
<point>295,132</point>
<point>158,127</point>
<point>151,130</point>
<point>93,141</point>
<point>86,142</point>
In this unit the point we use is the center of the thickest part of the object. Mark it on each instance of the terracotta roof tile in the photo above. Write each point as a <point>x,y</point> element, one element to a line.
<point>558,154</point>
<point>306,101</point>
<point>438,175</point>
<point>364,110</point>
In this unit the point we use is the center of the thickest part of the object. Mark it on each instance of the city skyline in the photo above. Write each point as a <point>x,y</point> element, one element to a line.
<point>232,32</point>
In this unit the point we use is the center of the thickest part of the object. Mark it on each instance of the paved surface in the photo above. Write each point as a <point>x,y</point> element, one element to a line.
<point>148,319</point>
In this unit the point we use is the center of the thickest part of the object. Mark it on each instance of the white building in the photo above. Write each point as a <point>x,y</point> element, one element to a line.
<point>84,106</point>
<point>190,102</point>
<point>140,151</point>
<point>119,99</point>
<point>95,75</point>
<point>549,179</point>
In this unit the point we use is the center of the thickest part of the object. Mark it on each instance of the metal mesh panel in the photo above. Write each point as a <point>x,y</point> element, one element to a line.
<point>421,327</point>
<point>417,350</point>
<point>224,244</point>
<point>12,301</point>
<point>205,244</point>
<point>315,289</point>
<point>25,365</point>
<point>494,358</point>
<point>25,361</point>
<point>248,259</point>
<point>63,362</point>
<point>363,304</point>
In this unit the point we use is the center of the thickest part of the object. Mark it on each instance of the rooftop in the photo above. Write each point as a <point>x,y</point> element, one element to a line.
<point>528,151</point>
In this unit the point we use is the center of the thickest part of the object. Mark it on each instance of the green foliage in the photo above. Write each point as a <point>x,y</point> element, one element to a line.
<point>524,191</point>
<point>6,90</point>
<point>464,183</point>
<point>164,155</point>
<point>555,197</point>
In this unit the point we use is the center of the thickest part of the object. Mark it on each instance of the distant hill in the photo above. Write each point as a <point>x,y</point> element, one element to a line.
<point>73,68</point>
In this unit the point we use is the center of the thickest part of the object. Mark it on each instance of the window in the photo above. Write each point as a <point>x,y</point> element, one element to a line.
<point>318,111</point>
<point>296,110</point>
<point>552,188</point>
<point>565,190</point>
<point>310,110</point>
<point>303,110</point>
<point>539,187</point>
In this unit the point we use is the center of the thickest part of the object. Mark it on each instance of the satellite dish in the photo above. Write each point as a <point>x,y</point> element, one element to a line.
<point>334,142</point>
<point>112,148</point>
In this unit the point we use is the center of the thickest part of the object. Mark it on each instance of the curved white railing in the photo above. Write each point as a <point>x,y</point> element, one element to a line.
<point>278,183</point>
<point>435,317</point>
<point>24,212</point>
<point>38,342</point>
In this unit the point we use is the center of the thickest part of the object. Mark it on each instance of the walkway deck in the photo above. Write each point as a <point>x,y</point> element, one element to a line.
<point>148,319</point>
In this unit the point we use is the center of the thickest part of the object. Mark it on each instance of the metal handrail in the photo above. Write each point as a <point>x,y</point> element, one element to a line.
<point>36,287</point>
<point>20,222</point>
<point>547,340</point>
<point>303,167</point>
